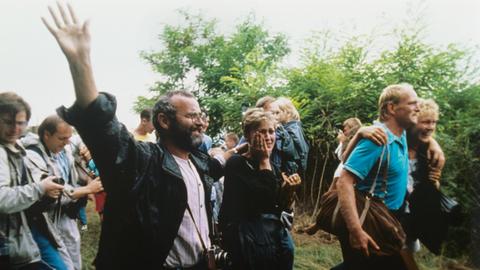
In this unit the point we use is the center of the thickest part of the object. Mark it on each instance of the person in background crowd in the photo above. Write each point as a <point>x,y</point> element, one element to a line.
<point>84,179</point>
<point>50,153</point>
<point>144,130</point>
<point>284,154</point>
<point>349,128</point>
<point>266,104</point>
<point>206,140</point>
<point>231,140</point>
<point>218,187</point>
<point>20,220</point>
<point>289,117</point>
<point>100,197</point>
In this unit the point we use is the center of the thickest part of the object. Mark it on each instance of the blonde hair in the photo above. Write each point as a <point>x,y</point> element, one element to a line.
<point>233,136</point>
<point>263,101</point>
<point>286,105</point>
<point>354,124</point>
<point>428,107</point>
<point>254,117</point>
<point>391,94</point>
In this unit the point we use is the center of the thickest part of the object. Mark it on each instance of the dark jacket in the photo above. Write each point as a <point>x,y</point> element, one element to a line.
<point>147,196</point>
<point>295,130</point>
<point>426,220</point>
<point>284,155</point>
<point>250,193</point>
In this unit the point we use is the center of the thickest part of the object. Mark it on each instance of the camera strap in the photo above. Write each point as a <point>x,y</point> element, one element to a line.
<point>196,228</point>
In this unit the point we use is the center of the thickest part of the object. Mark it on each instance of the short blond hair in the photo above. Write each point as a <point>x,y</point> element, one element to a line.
<point>391,94</point>
<point>264,101</point>
<point>354,123</point>
<point>254,117</point>
<point>286,105</point>
<point>428,107</point>
<point>233,136</point>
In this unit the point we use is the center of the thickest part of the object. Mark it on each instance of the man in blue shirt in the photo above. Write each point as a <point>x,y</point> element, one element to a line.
<point>397,111</point>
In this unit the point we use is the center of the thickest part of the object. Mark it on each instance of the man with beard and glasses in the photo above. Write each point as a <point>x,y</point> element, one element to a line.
<point>157,211</point>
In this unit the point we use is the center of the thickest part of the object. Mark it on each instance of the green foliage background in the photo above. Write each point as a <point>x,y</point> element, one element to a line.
<point>336,79</point>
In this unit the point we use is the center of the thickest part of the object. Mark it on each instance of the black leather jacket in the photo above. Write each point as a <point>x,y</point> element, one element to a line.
<point>146,195</point>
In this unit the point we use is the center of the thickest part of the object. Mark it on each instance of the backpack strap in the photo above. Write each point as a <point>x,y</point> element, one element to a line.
<point>37,150</point>
<point>372,188</point>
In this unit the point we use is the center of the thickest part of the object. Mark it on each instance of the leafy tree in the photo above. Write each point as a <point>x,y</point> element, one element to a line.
<point>226,72</point>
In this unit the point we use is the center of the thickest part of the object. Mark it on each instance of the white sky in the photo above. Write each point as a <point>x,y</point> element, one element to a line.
<point>32,65</point>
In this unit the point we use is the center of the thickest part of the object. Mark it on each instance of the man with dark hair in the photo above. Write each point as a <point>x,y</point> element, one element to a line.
<point>19,193</point>
<point>50,153</point>
<point>158,210</point>
<point>144,130</point>
<point>207,141</point>
<point>12,104</point>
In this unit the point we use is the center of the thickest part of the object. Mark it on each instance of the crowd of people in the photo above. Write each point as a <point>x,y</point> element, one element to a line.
<point>169,198</point>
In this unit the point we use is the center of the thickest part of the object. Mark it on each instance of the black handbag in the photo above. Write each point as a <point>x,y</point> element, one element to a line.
<point>431,214</point>
<point>452,209</point>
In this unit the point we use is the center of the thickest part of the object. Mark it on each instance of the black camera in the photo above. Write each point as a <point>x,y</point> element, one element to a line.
<point>218,258</point>
<point>339,126</point>
<point>56,180</point>
<point>59,181</point>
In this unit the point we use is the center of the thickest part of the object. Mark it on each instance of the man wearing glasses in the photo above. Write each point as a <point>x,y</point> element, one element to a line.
<point>158,208</point>
<point>18,191</point>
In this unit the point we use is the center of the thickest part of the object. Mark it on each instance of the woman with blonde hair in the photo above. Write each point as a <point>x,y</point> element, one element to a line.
<point>349,128</point>
<point>289,117</point>
<point>255,194</point>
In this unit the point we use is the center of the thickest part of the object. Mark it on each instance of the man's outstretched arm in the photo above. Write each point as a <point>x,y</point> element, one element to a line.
<point>73,37</point>
<point>359,239</point>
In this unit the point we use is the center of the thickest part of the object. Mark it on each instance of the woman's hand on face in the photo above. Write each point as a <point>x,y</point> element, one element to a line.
<point>259,147</point>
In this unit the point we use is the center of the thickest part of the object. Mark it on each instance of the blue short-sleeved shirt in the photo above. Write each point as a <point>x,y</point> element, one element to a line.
<point>365,156</point>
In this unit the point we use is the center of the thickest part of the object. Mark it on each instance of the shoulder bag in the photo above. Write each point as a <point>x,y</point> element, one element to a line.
<point>375,218</point>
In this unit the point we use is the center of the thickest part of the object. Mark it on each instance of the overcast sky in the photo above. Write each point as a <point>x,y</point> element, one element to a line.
<point>32,65</point>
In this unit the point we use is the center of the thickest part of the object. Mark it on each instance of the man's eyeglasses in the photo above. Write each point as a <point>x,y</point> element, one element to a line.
<point>12,123</point>
<point>195,116</point>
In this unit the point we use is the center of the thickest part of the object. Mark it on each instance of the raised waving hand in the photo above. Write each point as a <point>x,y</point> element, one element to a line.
<point>73,37</point>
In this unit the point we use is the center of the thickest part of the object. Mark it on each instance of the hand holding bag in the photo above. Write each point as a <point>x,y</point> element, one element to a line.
<point>375,218</point>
